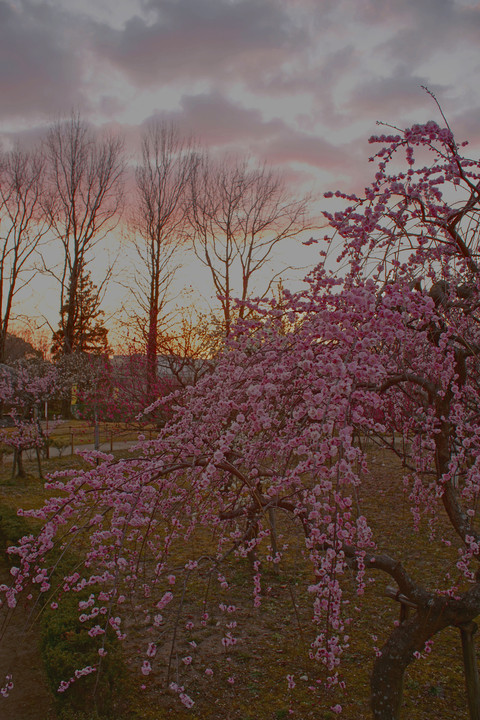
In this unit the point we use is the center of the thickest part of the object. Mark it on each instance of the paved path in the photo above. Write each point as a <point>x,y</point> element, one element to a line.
<point>66,450</point>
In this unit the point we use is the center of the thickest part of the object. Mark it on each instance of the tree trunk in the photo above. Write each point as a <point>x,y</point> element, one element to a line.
<point>3,340</point>
<point>386,682</point>
<point>67,407</point>
<point>39,463</point>
<point>18,464</point>
<point>152,342</point>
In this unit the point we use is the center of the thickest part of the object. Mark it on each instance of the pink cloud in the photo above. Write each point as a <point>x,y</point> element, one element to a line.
<point>311,150</point>
<point>217,121</point>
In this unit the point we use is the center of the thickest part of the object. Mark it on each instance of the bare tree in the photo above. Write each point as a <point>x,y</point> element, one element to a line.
<point>84,199</point>
<point>158,221</point>
<point>188,346</point>
<point>238,216</point>
<point>22,227</point>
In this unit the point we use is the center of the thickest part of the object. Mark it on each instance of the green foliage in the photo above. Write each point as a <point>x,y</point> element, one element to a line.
<point>66,647</point>
<point>81,328</point>
<point>12,528</point>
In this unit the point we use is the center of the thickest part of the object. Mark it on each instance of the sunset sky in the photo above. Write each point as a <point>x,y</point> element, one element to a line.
<point>297,83</point>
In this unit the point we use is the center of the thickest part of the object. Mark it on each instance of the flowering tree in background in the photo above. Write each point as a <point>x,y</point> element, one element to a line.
<point>119,389</point>
<point>24,390</point>
<point>388,351</point>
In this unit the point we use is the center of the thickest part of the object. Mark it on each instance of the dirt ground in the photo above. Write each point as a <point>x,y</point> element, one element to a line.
<point>272,641</point>
<point>30,698</point>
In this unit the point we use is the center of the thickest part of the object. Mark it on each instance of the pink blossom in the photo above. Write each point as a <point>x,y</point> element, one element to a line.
<point>151,650</point>
<point>5,690</point>
<point>146,668</point>
<point>167,598</point>
<point>186,700</point>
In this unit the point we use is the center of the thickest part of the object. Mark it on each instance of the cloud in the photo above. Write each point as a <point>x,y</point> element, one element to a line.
<point>218,121</point>
<point>292,81</point>
<point>311,150</point>
<point>420,29</point>
<point>198,39</point>
<point>222,125</point>
<point>390,96</point>
<point>465,125</point>
<point>40,71</point>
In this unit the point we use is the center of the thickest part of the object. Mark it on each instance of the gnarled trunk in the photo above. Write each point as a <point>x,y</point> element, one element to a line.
<point>409,637</point>
<point>396,655</point>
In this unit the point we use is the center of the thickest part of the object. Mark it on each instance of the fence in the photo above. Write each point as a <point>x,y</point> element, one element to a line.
<point>101,436</point>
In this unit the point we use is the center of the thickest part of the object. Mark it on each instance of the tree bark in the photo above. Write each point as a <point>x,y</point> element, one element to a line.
<point>389,668</point>
<point>409,637</point>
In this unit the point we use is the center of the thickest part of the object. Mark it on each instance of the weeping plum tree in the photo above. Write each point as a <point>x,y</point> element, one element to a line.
<point>278,427</point>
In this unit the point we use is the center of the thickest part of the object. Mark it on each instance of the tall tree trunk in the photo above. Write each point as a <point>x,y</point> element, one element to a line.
<point>3,341</point>
<point>152,353</point>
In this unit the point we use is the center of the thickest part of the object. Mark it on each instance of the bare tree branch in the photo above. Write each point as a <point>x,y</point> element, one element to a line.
<point>238,216</point>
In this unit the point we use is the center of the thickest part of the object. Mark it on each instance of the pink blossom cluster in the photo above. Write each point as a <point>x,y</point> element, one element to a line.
<point>8,687</point>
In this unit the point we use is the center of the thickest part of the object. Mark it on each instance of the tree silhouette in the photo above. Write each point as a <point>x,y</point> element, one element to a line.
<point>88,334</point>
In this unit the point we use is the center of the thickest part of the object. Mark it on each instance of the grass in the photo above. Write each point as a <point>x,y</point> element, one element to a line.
<point>274,639</point>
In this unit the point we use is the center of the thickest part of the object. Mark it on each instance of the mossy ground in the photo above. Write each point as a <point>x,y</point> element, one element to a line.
<point>273,641</point>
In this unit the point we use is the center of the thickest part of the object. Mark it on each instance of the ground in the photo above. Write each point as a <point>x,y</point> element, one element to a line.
<point>273,640</point>
<point>30,698</point>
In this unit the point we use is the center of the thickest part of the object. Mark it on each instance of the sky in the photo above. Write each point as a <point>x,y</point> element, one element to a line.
<point>299,84</point>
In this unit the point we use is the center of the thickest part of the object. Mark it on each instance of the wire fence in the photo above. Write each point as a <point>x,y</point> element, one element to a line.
<point>65,439</point>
